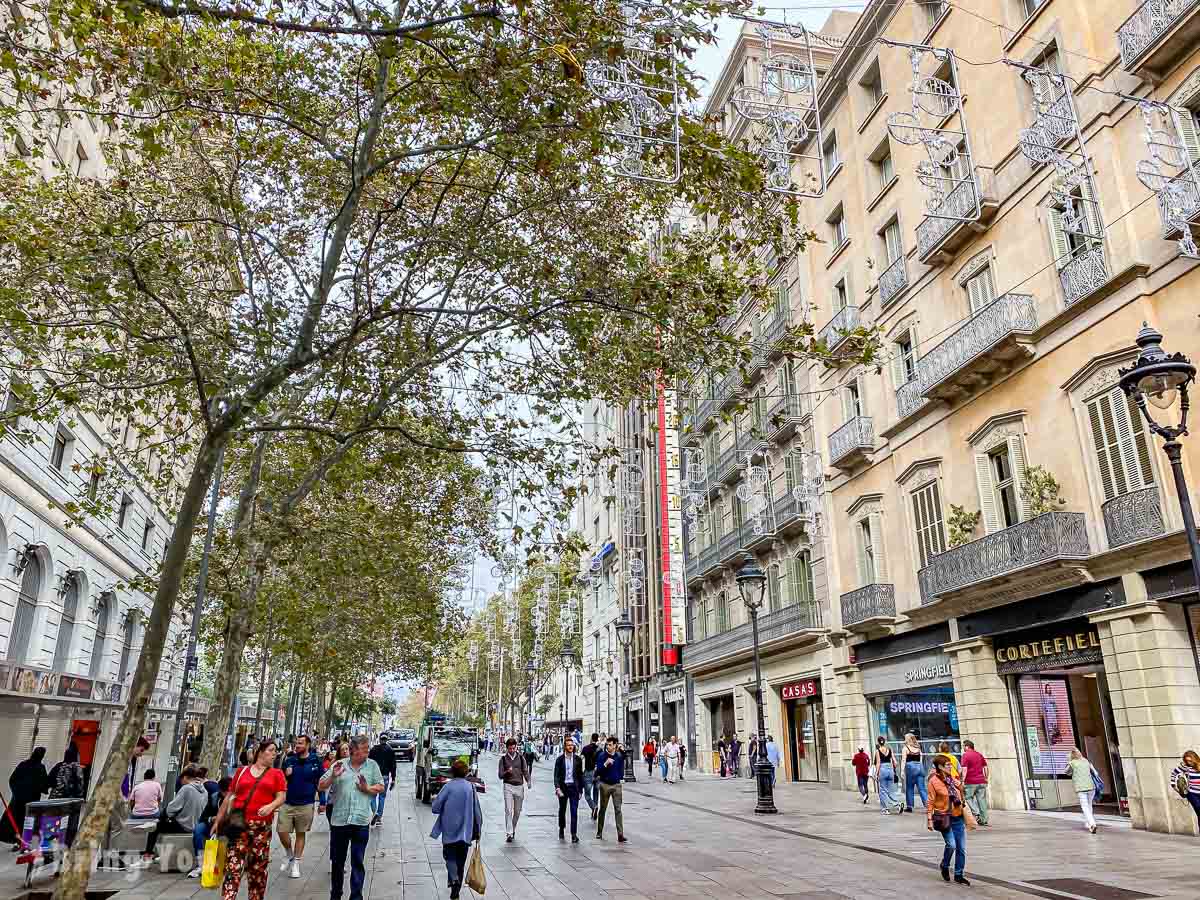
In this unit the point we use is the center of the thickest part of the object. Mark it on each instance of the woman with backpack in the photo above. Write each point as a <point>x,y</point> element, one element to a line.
<point>245,818</point>
<point>1185,778</point>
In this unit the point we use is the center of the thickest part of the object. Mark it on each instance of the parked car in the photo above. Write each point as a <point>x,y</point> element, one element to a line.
<point>404,744</point>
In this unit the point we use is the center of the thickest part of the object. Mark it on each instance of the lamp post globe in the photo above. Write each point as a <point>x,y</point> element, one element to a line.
<point>752,585</point>
<point>624,629</point>
<point>1161,380</point>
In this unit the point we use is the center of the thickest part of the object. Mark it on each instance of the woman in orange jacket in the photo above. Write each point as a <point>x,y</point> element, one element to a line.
<point>944,814</point>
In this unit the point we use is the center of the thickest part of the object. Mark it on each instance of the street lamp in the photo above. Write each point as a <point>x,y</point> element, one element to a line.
<point>624,629</point>
<point>530,671</point>
<point>1160,380</point>
<point>752,585</point>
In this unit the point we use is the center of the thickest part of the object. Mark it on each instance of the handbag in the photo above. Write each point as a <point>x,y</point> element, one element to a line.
<point>1097,784</point>
<point>476,876</point>
<point>940,821</point>
<point>212,870</point>
<point>1181,785</point>
<point>235,822</point>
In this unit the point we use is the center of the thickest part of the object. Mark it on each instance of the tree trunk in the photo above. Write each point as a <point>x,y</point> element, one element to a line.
<point>319,725</point>
<point>333,693</point>
<point>274,732</point>
<point>289,724</point>
<point>77,866</point>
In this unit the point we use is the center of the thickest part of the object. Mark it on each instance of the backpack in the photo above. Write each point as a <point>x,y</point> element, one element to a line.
<point>1181,785</point>
<point>68,783</point>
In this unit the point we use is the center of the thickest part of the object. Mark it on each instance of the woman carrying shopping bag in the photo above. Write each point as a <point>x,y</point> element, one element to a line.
<point>459,823</point>
<point>245,819</point>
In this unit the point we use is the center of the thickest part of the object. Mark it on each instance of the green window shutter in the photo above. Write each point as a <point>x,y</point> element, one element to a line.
<point>865,575</point>
<point>861,380</point>
<point>1016,453</point>
<point>1190,134</point>
<point>1104,461</point>
<point>776,588</point>
<point>1134,453</point>
<point>987,493</point>
<point>1060,246</point>
<point>1140,442</point>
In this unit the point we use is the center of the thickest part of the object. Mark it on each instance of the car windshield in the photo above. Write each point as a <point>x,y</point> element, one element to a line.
<point>406,735</point>
<point>450,748</point>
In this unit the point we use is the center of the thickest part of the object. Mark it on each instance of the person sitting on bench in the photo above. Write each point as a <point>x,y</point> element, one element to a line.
<point>182,812</point>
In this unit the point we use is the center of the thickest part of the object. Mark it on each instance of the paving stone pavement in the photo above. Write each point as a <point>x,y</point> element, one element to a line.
<point>701,839</point>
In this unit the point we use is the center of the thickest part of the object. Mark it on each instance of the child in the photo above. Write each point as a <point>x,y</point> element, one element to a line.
<point>146,797</point>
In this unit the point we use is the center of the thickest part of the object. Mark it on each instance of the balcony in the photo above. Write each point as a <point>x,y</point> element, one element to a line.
<point>785,415</point>
<point>753,441</point>
<point>757,366</point>
<point>946,227</point>
<point>728,389</point>
<point>727,468</point>
<point>985,347</point>
<point>704,411</point>
<point>869,608</point>
<point>1041,554</point>
<point>791,516</point>
<point>909,399</point>
<point>1085,272</point>
<point>1157,35</point>
<point>754,540</point>
<point>783,627</point>
<point>852,443</point>
<point>844,320</point>
<point>893,281</point>
<point>729,548</point>
<point>1136,516</point>
<point>1179,201</point>
<point>773,335</point>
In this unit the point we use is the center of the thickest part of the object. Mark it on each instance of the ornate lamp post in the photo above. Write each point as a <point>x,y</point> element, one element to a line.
<point>1161,381</point>
<point>568,660</point>
<point>624,628</point>
<point>752,585</point>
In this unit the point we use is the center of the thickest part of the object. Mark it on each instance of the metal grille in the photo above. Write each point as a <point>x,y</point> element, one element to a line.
<point>893,280</point>
<point>1134,516</point>
<point>873,601</point>
<point>1083,274</point>
<point>1010,314</point>
<point>1151,21</point>
<point>857,434</point>
<point>844,320</point>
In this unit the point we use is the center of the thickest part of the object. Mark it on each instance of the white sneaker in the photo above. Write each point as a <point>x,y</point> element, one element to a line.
<point>295,873</point>
<point>195,873</point>
<point>287,864</point>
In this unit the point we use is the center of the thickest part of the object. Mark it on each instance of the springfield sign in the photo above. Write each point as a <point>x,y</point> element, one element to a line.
<point>938,671</point>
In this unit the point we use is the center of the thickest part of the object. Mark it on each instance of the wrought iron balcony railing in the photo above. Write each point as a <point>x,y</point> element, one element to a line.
<point>909,398</point>
<point>1050,537</point>
<point>955,207</point>
<point>872,601</point>
<point>775,332</point>
<point>772,627</point>
<point>1083,274</point>
<point>1182,193</point>
<point>1000,319</point>
<point>706,560</point>
<point>893,280</point>
<point>726,467</point>
<point>844,320</point>
<point>728,389</point>
<point>730,544</point>
<point>857,435</point>
<point>1150,21</point>
<point>1135,516</point>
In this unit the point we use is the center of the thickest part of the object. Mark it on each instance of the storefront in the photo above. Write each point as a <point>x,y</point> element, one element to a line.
<point>674,716</point>
<point>912,693</point>
<point>633,719</point>
<point>1060,700</point>
<point>722,721</point>
<point>805,755</point>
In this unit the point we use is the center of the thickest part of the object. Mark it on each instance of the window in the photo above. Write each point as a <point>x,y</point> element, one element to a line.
<point>800,581</point>
<point>830,152</point>
<point>980,288</point>
<point>841,295</point>
<point>21,636</point>
<point>722,613</point>
<point>872,86</point>
<point>12,400</point>
<point>781,302</point>
<point>853,399</point>
<point>927,518</point>
<point>93,490</point>
<point>147,532</point>
<point>1004,487</point>
<point>892,247</point>
<point>933,10</point>
<point>885,170</point>
<point>129,636</point>
<point>1074,228</point>
<point>837,227</point>
<point>63,661</point>
<point>58,452</point>
<point>868,569</point>
<point>774,587</point>
<point>1119,439</point>
<point>1031,6</point>
<point>96,666</point>
<point>905,359</point>
<point>123,511</point>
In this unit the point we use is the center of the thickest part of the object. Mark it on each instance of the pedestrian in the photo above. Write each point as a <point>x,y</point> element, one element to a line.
<point>735,753</point>
<point>66,779</point>
<point>662,761</point>
<point>672,757</point>
<point>257,790</point>
<point>385,758</point>
<point>975,781</point>
<point>568,781</point>
<point>1081,771</point>
<point>649,754</point>
<point>303,771</point>
<point>752,751</point>
<point>914,772</point>
<point>610,769</point>
<point>722,756</point>
<point>530,758</point>
<point>205,825</point>
<point>944,814</point>
<point>459,822</point>
<point>145,800</point>
<point>326,762</point>
<point>590,787</point>
<point>682,759</point>
<point>340,751</point>
<point>885,771</point>
<point>955,769</point>
<point>513,773</point>
<point>862,771</point>
<point>773,757</point>
<point>1185,779</point>
<point>354,780</point>
<point>182,814</point>
<point>26,785</point>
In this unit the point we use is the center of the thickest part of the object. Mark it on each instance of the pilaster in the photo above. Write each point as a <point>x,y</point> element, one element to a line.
<point>853,729</point>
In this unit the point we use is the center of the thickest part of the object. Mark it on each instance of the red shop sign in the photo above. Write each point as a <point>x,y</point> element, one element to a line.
<point>798,690</point>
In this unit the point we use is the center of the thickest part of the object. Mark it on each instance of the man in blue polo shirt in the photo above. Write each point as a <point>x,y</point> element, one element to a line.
<point>302,768</point>
<point>610,770</point>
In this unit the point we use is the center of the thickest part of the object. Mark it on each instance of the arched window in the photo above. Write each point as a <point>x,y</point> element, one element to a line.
<point>22,627</point>
<point>96,667</point>
<point>66,627</point>
<point>129,634</point>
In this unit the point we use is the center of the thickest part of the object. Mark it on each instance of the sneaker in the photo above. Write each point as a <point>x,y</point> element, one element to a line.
<point>508,839</point>
<point>599,835</point>
<point>886,812</point>
<point>945,873</point>
<point>195,873</point>
<point>1092,829</point>
<point>958,879</point>
<point>295,872</point>
<point>865,799</point>
<point>286,864</point>
<point>621,839</point>
<point>574,839</point>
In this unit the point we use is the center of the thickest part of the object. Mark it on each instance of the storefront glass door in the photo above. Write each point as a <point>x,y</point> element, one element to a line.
<point>806,738</point>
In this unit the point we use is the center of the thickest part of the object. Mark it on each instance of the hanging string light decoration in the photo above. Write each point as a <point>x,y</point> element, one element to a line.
<point>630,481</point>
<point>808,472</point>
<point>783,111</point>
<point>642,86</point>
<point>1170,172</point>
<point>754,491</point>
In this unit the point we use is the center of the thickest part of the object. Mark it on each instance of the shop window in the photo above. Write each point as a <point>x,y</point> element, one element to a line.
<point>1046,706</point>
<point>929,713</point>
<point>927,517</point>
<point>1119,440</point>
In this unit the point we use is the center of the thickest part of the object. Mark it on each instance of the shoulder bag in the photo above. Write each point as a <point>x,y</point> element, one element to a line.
<point>235,822</point>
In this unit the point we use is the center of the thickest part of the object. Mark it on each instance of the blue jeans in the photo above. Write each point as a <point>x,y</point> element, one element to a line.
<point>354,838</point>
<point>887,787</point>
<point>914,777</point>
<point>377,802</point>
<point>199,836</point>
<point>591,791</point>
<point>956,845</point>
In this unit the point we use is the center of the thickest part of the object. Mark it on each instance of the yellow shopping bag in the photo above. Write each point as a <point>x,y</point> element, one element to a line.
<point>212,871</point>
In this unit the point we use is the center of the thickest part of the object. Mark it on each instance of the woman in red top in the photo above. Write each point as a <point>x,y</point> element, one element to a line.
<point>257,790</point>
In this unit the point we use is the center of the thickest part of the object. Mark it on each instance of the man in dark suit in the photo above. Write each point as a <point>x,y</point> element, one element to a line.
<point>568,784</point>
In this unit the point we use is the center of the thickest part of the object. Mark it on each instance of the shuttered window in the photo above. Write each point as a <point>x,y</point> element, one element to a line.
<point>927,517</point>
<point>774,587</point>
<point>66,628</point>
<point>128,642</point>
<point>1119,439</point>
<point>981,288</point>
<point>1190,132</point>
<point>722,613</point>
<point>891,241</point>
<point>852,397</point>
<point>999,474</point>
<point>22,627</point>
<point>872,565</point>
<point>800,580</point>
<point>1068,245</point>
<point>904,358</point>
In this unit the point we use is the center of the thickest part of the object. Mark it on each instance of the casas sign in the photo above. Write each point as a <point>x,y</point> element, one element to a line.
<point>799,690</point>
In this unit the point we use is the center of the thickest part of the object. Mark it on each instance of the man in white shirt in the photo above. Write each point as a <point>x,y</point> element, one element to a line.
<point>773,757</point>
<point>568,783</point>
<point>672,754</point>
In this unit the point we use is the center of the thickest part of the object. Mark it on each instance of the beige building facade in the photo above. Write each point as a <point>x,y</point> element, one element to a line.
<point>999,536</point>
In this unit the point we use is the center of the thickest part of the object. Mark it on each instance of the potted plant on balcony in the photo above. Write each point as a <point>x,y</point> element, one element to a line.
<point>962,525</point>
<point>1040,489</point>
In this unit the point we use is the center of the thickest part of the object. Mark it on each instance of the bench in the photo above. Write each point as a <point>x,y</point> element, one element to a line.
<point>174,850</point>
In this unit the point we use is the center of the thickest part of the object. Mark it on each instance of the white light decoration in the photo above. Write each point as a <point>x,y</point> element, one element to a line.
<point>695,490</point>
<point>644,84</point>
<point>809,488</point>
<point>948,172</point>
<point>1170,171</point>
<point>784,112</point>
<point>754,491</point>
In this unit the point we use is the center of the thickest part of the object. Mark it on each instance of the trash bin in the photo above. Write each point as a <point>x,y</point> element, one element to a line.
<point>54,823</point>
